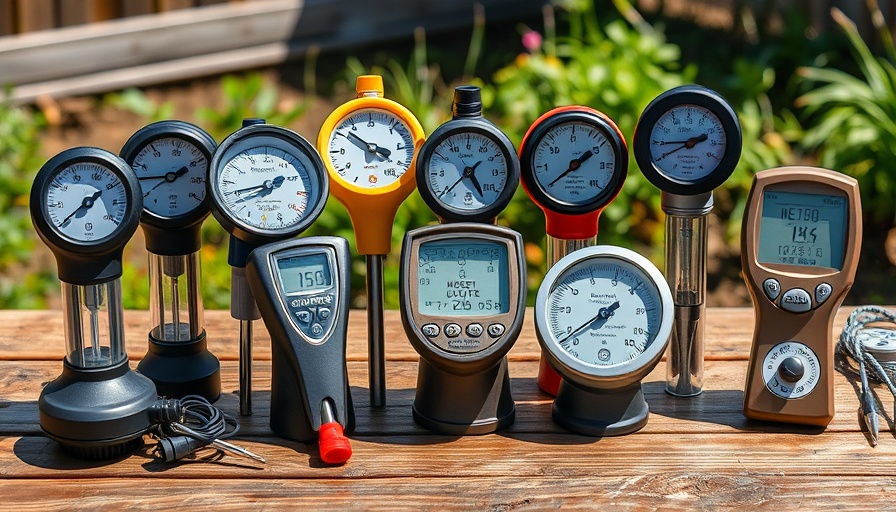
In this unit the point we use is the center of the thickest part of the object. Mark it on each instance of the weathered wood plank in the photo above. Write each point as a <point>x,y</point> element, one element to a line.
<point>170,5</point>
<point>34,15</point>
<point>717,410</point>
<point>136,7</point>
<point>7,17</point>
<point>667,492</point>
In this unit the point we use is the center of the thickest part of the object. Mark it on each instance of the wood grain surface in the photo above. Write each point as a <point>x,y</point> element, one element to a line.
<point>693,453</point>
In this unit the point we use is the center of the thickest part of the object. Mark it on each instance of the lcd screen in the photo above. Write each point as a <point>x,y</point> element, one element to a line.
<point>305,273</point>
<point>803,229</point>
<point>463,277</point>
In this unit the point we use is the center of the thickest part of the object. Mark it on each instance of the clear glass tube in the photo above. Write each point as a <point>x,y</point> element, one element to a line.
<point>94,328</point>
<point>557,248</point>
<point>175,304</point>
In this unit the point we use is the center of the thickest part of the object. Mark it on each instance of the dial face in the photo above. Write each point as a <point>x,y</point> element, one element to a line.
<point>86,201</point>
<point>604,311</point>
<point>574,162</point>
<point>172,175</point>
<point>265,182</point>
<point>467,171</point>
<point>687,143</point>
<point>371,148</point>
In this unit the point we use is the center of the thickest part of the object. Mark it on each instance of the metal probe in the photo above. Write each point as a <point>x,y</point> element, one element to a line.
<point>217,443</point>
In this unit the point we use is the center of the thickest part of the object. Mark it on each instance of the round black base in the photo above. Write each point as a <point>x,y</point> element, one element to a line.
<point>182,368</point>
<point>600,413</point>
<point>474,404</point>
<point>97,414</point>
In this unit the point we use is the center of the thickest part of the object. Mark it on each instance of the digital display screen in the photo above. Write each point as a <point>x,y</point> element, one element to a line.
<point>305,273</point>
<point>803,229</point>
<point>463,277</point>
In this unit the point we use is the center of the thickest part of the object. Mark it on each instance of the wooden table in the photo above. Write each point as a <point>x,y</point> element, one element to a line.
<point>693,453</point>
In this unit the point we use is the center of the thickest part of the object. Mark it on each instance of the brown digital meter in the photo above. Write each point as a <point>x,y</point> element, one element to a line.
<point>800,243</point>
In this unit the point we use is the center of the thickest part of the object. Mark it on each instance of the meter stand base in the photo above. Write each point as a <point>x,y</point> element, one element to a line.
<point>473,404</point>
<point>600,413</point>
<point>97,414</point>
<point>548,378</point>
<point>182,368</point>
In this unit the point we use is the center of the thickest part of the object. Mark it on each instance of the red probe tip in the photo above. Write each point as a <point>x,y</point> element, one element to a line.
<point>335,448</point>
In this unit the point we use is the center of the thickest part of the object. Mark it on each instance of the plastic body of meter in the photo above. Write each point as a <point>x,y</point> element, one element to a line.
<point>801,240</point>
<point>463,298</point>
<point>302,291</point>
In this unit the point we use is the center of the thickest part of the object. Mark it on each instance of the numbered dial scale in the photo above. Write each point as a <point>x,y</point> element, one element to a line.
<point>574,161</point>
<point>88,201</point>
<point>268,183</point>
<point>171,160</point>
<point>688,140</point>
<point>801,240</point>
<point>603,316</point>
<point>467,170</point>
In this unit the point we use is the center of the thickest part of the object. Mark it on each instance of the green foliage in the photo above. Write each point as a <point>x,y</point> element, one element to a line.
<point>244,97</point>
<point>19,161</point>
<point>136,101</point>
<point>854,126</point>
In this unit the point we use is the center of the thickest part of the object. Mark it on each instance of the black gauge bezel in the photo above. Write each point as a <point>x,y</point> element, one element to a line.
<point>251,234</point>
<point>193,135</point>
<point>688,95</point>
<point>480,126</point>
<point>536,188</point>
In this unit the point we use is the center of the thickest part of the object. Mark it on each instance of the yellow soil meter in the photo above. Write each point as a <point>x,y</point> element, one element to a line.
<point>369,147</point>
<point>801,239</point>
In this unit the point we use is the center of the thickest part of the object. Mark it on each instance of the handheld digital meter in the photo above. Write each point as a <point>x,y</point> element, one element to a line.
<point>573,164</point>
<point>463,298</point>
<point>302,290</point>
<point>801,239</point>
<point>603,316</point>
<point>267,184</point>
<point>369,147</point>
<point>687,142</point>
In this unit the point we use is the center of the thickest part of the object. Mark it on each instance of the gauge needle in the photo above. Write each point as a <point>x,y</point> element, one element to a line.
<point>574,164</point>
<point>467,173</point>
<point>602,314</point>
<point>169,177</point>
<point>263,189</point>
<point>87,203</point>
<point>690,143</point>
<point>369,146</point>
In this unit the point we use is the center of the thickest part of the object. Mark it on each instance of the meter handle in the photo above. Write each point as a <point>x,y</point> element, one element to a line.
<point>685,254</point>
<point>376,343</point>
<point>243,308</point>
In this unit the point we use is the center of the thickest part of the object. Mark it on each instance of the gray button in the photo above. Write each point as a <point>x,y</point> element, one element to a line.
<point>822,292</point>
<point>323,313</point>
<point>796,300</point>
<point>452,330</point>
<point>430,330</point>
<point>317,330</point>
<point>772,288</point>
<point>304,316</point>
<point>474,330</point>
<point>495,330</point>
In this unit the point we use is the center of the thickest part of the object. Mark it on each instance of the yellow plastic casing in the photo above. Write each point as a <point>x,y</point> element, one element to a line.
<point>372,210</point>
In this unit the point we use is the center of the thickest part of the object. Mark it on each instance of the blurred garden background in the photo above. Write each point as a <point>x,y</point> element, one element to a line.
<point>810,88</point>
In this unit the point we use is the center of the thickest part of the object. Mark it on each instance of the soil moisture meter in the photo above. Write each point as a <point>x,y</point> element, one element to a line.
<point>687,142</point>
<point>603,316</point>
<point>573,163</point>
<point>463,296</point>
<point>302,290</point>
<point>85,205</point>
<point>267,184</point>
<point>171,161</point>
<point>801,239</point>
<point>369,147</point>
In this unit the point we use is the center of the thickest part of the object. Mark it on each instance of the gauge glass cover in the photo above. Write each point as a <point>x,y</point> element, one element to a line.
<point>467,171</point>
<point>86,202</point>
<point>687,143</point>
<point>172,175</point>
<point>371,148</point>
<point>574,162</point>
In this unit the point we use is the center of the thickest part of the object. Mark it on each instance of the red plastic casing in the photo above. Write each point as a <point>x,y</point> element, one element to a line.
<point>335,448</point>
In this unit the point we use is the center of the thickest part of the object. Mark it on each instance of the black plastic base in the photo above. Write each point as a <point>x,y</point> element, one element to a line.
<point>600,413</point>
<point>480,403</point>
<point>97,414</point>
<point>182,368</point>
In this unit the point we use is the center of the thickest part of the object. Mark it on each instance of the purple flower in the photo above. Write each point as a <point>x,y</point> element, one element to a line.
<point>531,40</point>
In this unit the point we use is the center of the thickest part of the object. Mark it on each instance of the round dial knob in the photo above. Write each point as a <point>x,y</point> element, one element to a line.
<point>791,370</point>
